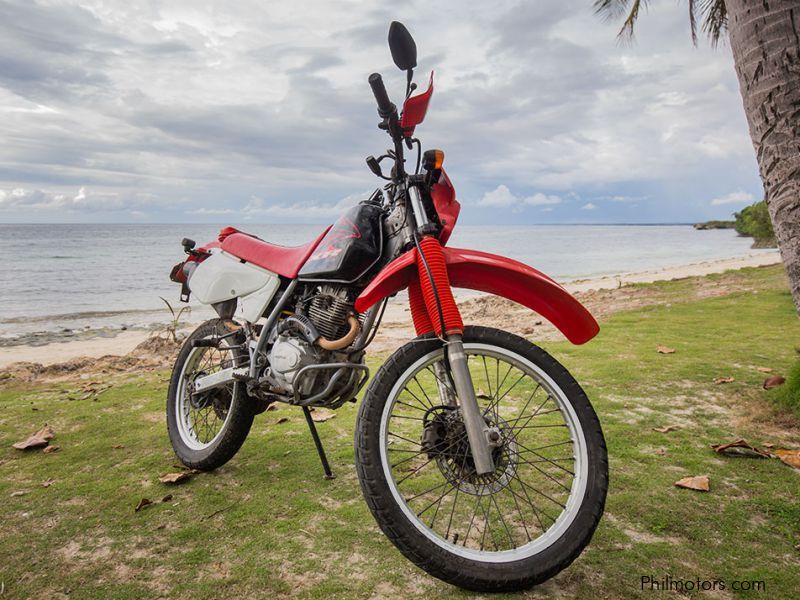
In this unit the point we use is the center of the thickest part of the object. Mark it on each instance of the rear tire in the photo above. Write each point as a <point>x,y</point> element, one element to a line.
<point>198,444</point>
<point>456,557</point>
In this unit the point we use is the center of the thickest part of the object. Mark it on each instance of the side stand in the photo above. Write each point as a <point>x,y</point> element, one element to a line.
<point>320,450</point>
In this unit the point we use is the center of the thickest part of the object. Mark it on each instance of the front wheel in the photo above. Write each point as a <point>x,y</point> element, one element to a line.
<point>504,531</point>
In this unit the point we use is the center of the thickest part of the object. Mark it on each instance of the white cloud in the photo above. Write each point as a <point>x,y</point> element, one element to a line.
<point>588,206</point>
<point>738,197</point>
<point>501,197</point>
<point>84,200</point>
<point>542,200</point>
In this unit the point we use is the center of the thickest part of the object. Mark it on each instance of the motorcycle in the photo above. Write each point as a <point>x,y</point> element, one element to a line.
<point>479,455</point>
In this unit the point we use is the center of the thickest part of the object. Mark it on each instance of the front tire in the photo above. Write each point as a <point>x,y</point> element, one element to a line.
<point>499,532</point>
<point>207,431</point>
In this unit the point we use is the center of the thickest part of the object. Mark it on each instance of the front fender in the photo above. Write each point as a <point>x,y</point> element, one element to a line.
<point>475,270</point>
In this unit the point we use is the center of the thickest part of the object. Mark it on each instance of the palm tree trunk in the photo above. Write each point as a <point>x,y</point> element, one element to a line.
<point>765,40</point>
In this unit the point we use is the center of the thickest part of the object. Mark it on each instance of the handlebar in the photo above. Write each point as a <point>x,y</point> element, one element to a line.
<point>385,106</point>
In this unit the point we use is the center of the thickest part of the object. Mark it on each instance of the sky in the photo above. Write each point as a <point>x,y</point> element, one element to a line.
<point>260,112</point>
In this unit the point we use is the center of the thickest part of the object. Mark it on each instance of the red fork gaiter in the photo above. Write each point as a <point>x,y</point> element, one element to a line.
<point>424,310</point>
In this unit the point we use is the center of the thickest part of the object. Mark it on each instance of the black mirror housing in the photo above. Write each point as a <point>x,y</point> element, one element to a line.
<point>402,46</point>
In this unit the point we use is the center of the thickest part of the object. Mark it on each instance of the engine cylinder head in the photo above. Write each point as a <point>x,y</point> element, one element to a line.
<point>328,310</point>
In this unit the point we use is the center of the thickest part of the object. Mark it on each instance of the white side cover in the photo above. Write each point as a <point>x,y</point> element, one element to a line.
<point>222,276</point>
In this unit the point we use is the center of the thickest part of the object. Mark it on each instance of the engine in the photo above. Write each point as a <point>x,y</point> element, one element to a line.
<point>327,313</point>
<point>329,309</point>
<point>288,355</point>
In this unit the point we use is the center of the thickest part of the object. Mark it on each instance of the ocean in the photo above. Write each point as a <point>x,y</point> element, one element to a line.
<point>77,277</point>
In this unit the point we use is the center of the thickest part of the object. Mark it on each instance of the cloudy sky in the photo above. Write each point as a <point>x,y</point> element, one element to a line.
<point>196,111</point>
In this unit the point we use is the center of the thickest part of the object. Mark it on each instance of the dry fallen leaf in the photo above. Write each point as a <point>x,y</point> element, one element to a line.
<point>143,503</point>
<point>51,449</point>
<point>48,482</point>
<point>175,477</point>
<point>665,350</point>
<point>118,446</point>
<point>272,406</point>
<point>660,451</point>
<point>698,483</point>
<point>740,448</point>
<point>320,415</point>
<point>18,494</point>
<point>789,457</point>
<point>167,498</point>
<point>46,432</point>
<point>764,369</point>
<point>37,440</point>
<point>768,445</point>
<point>666,429</point>
<point>281,420</point>
<point>30,443</point>
<point>773,382</point>
<point>719,380</point>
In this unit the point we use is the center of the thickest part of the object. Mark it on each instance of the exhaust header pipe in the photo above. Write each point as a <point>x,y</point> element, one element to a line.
<point>344,341</point>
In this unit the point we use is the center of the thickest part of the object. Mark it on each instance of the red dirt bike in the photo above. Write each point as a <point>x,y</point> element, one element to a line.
<point>478,454</point>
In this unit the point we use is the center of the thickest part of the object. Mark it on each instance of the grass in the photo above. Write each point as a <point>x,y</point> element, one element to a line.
<point>788,395</point>
<point>268,524</point>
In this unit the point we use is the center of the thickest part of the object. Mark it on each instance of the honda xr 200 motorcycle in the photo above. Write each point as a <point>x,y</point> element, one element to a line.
<point>478,454</point>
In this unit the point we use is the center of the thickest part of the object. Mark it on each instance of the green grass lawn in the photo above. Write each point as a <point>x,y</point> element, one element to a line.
<point>267,524</point>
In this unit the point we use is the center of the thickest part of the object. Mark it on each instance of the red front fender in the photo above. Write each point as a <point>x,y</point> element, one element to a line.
<point>493,274</point>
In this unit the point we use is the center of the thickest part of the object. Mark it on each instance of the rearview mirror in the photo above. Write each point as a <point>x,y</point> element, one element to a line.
<point>403,47</point>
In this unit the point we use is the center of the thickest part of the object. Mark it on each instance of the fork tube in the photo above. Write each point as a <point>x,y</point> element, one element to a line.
<point>446,396</point>
<point>470,412</point>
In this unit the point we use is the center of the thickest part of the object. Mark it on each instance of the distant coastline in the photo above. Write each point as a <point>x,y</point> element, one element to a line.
<point>715,225</point>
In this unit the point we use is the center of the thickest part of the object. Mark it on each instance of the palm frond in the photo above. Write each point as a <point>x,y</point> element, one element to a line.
<point>712,14</point>
<point>613,9</point>
<point>610,9</point>
<point>716,20</point>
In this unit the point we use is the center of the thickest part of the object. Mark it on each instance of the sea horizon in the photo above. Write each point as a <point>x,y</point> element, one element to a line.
<point>64,277</point>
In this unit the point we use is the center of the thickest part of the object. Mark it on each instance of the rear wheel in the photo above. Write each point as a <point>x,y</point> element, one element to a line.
<point>207,429</point>
<point>504,531</point>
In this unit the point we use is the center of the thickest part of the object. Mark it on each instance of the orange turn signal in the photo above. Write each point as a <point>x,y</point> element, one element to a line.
<point>433,159</point>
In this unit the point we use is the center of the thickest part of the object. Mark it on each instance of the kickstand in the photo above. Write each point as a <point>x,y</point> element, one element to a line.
<point>320,450</point>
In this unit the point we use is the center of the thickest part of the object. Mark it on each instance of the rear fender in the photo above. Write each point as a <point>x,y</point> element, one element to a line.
<point>481,271</point>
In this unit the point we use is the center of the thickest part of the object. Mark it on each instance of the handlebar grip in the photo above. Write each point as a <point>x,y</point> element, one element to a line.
<point>385,106</point>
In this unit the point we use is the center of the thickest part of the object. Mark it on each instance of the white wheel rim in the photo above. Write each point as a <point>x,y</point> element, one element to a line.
<point>579,451</point>
<point>185,414</point>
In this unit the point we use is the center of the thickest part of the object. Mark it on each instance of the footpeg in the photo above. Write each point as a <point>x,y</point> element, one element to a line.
<point>242,374</point>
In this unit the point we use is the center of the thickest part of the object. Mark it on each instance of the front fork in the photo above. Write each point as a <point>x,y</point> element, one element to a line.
<point>478,431</point>
<point>433,308</point>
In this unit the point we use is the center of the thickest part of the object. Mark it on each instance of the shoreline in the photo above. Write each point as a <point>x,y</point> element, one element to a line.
<point>396,326</point>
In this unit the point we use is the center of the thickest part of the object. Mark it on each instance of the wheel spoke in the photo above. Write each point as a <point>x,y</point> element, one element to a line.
<point>546,459</point>
<point>201,418</point>
<point>513,505</point>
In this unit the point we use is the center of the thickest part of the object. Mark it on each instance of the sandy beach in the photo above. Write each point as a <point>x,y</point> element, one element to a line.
<point>397,326</point>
